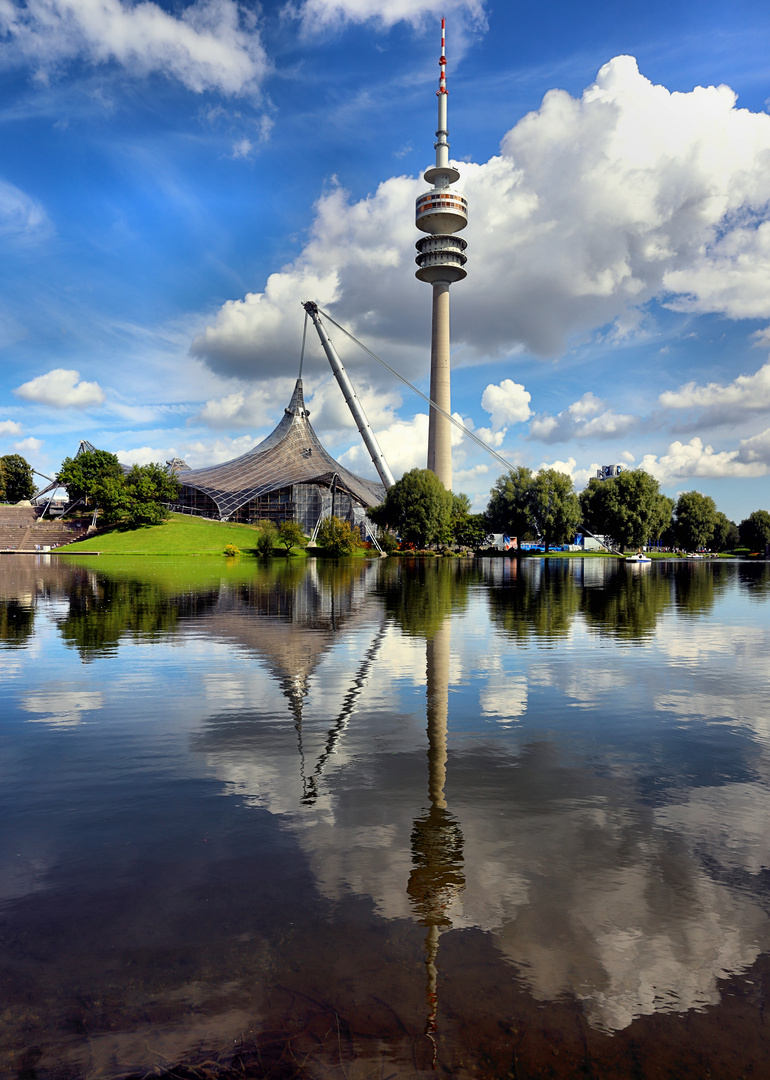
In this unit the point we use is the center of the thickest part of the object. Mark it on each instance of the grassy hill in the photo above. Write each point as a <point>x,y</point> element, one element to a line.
<point>180,535</point>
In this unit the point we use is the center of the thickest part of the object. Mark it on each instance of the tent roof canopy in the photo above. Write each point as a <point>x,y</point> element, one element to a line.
<point>291,454</point>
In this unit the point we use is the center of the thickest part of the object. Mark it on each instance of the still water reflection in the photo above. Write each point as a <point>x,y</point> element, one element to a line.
<point>382,818</point>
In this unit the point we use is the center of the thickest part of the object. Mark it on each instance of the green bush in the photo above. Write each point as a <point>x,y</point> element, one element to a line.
<point>267,538</point>
<point>337,538</point>
<point>231,550</point>
<point>290,535</point>
<point>387,541</point>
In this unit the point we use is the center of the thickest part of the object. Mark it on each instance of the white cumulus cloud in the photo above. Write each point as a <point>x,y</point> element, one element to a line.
<point>506,403</point>
<point>723,401</point>
<point>8,428</point>
<point>588,417</point>
<point>210,45</point>
<point>755,448</point>
<point>62,389</point>
<point>579,477</point>
<point>691,459</point>
<point>403,444</point>
<point>28,446</point>
<point>592,208</point>
<point>198,453</point>
<point>256,408</point>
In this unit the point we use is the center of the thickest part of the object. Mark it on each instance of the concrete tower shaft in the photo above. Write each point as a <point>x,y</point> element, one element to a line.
<point>441,213</point>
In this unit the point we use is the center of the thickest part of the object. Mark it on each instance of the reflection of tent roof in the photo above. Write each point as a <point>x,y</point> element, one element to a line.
<point>293,638</point>
<point>292,454</point>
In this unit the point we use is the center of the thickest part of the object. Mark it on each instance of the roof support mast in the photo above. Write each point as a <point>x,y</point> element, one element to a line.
<point>351,397</point>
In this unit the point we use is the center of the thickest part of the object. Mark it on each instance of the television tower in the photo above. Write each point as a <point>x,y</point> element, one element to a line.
<point>441,213</point>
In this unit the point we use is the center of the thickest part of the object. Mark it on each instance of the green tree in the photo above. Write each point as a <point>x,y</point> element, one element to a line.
<point>2,482</point>
<point>137,498</point>
<point>696,519</point>
<point>508,509</point>
<point>553,507</point>
<point>337,538</point>
<point>630,508</point>
<point>149,487</point>
<point>418,507</point>
<point>468,530</point>
<point>726,534</point>
<point>18,480</point>
<point>755,530</point>
<point>290,534</point>
<point>267,538</point>
<point>111,496</point>
<point>81,474</point>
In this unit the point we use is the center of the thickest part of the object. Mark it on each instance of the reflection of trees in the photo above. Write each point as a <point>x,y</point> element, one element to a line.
<point>315,595</point>
<point>630,603</point>
<point>420,593</point>
<point>541,599</point>
<point>102,611</point>
<point>697,585</point>
<point>16,623</point>
<point>755,577</point>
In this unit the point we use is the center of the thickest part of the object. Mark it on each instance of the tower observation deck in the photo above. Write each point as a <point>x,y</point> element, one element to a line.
<point>441,213</point>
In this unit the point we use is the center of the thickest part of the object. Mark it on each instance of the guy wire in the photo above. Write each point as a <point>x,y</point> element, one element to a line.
<point>433,405</point>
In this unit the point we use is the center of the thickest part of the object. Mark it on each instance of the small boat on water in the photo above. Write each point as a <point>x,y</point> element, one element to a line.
<point>640,557</point>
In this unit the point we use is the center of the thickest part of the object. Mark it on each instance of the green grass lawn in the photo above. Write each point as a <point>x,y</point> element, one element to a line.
<point>180,535</point>
<point>171,576</point>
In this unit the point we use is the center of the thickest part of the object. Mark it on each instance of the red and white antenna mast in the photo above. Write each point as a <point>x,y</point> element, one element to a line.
<point>441,259</point>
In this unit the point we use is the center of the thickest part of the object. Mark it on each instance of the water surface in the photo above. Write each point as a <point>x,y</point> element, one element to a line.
<point>381,819</point>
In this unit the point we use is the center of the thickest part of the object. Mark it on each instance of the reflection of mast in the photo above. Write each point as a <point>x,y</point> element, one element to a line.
<point>309,784</point>
<point>437,843</point>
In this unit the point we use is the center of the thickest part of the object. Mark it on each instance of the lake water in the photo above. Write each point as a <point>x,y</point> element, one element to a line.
<point>384,819</point>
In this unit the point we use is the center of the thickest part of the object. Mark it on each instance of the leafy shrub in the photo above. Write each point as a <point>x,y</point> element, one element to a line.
<point>337,538</point>
<point>290,535</point>
<point>387,541</point>
<point>231,550</point>
<point>266,538</point>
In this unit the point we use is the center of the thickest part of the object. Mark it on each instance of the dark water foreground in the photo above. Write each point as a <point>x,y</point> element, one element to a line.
<point>384,820</point>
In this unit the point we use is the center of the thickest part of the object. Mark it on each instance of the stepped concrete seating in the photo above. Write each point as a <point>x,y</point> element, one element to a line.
<point>56,533</point>
<point>21,529</point>
<point>14,523</point>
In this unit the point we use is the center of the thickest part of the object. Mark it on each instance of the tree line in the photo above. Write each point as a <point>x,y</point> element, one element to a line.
<point>629,509</point>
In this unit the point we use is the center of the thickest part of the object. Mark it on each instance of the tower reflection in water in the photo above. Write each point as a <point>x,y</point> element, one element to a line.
<point>437,877</point>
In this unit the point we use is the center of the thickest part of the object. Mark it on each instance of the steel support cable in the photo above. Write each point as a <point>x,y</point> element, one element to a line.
<point>457,423</point>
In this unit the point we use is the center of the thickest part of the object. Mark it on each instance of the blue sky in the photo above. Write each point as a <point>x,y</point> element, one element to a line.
<point>176,179</point>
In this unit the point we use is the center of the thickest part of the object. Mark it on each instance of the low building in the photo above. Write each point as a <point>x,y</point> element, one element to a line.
<point>289,476</point>
<point>607,472</point>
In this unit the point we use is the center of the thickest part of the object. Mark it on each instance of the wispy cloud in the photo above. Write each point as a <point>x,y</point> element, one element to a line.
<point>20,214</point>
<point>211,45</point>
